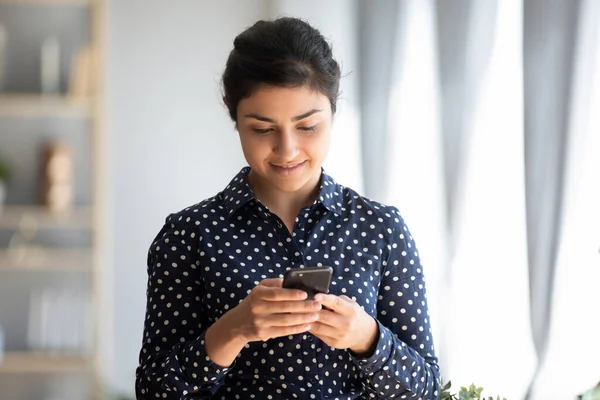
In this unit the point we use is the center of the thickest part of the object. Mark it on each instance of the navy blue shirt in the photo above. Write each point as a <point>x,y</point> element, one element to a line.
<point>208,257</point>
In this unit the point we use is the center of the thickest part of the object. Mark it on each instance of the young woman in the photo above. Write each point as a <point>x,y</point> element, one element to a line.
<point>218,324</point>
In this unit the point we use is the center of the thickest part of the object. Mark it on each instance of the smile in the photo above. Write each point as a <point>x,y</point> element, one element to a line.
<point>288,169</point>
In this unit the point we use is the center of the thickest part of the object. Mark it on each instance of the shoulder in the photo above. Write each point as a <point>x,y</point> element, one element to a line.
<point>198,213</point>
<point>188,222</point>
<point>362,206</point>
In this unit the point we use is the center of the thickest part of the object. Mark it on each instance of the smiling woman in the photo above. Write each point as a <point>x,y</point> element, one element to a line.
<point>218,322</point>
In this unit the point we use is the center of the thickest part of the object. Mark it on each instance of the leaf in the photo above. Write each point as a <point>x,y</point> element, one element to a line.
<point>464,395</point>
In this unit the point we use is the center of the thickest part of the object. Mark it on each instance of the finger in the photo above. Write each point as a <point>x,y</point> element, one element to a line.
<point>286,320</point>
<point>285,307</point>
<point>323,331</point>
<point>270,293</point>
<point>328,340</point>
<point>272,282</point>
<point>335,303</point>
<point>293,306</point>
<point>280,331</point>
<point>332,319</point>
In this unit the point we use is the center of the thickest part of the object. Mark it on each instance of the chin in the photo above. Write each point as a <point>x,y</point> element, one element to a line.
<point>290,181</point>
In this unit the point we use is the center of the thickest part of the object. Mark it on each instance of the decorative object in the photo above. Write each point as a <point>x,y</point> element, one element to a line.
<point>60,321</point>
<point>82,76</point>
<point>50,66</point>
<point>471,393</point>
<point>2,344</point>
<point>57,177</point>
<point>3,41</point>
<point>4,177</point>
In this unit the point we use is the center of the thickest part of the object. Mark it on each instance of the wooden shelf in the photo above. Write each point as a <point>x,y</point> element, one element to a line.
<point>41,259</point>
<point>23,362</point>
<point>37,105</point>
<point>13,217</point>
<point>48,2</point>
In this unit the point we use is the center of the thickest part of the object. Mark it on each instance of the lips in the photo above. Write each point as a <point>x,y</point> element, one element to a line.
<point>287,169</point>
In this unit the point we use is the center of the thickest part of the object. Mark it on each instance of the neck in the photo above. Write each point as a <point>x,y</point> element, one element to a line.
<point>285,204</point>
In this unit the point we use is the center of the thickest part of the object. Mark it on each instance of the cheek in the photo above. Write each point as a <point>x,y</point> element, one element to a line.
<point>254,148</point>
<point>320,147</point>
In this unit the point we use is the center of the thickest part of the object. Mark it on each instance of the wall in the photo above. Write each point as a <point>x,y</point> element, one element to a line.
<point>169,142</point>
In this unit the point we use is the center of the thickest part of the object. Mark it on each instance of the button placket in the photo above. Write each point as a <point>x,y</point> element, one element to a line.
<point>311,362</point>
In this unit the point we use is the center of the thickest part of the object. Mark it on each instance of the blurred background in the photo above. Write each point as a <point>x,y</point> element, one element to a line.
<point>480,120</point>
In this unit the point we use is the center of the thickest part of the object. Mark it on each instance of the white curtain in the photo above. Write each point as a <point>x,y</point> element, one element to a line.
<point>452,158</point>
<point>414,181</point>
<point>491,340</point>
<point>571,364</point>
<point>480,294</point>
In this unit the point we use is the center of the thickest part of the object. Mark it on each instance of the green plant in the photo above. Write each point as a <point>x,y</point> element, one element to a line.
<point>4,171</point>
<point>471,393</point>
<point>592,394</point>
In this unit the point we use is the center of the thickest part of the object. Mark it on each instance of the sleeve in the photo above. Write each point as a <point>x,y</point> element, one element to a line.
<point>404,364</point>
<point>173,363</point>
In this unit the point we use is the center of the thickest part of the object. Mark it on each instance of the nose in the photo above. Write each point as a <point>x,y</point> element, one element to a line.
<point>286,146</point>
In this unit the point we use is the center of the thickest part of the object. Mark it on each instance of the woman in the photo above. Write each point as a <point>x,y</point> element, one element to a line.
<point>218,323</point>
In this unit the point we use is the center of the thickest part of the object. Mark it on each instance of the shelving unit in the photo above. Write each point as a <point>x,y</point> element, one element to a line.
<point>14,217</point>
<point>49,2</point>
<point>28,362</point>
<point>19,105</point>
<point>36,264</point>
<point>44,259</point>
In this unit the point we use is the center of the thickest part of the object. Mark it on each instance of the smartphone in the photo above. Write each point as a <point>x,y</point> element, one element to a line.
<point>312,280</point>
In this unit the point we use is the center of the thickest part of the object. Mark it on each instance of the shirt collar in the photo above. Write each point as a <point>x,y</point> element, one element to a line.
<point>330,193</point>
<point>238,192</point>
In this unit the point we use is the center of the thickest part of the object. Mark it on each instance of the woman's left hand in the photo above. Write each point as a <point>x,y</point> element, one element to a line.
<point>345,325</point>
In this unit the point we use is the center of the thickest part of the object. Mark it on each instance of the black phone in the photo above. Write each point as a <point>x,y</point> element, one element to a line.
<point>312,280</point>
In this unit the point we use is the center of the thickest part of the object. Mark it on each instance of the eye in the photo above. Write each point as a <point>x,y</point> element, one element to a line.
<point>263,131</point>
<point>309,128</point>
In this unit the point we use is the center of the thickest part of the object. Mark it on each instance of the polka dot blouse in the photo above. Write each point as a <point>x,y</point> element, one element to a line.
<point>208,257</point>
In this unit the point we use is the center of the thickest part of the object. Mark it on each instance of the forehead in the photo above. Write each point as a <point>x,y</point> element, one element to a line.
<point>275,101</point>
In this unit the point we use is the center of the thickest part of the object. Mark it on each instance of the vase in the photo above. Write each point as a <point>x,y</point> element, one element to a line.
<point>2,195</point>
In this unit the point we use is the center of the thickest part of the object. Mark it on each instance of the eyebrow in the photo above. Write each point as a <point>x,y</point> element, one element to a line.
<point>297,118</point>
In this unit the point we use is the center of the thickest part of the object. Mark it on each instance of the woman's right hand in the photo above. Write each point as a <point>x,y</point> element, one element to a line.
<point>270,311</point>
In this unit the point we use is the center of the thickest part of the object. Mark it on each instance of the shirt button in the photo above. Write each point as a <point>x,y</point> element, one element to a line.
<point>310,338</point>
<point>301,225</point>
<point>279,224</point>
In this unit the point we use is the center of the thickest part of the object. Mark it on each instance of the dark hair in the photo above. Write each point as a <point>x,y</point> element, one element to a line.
<point>286,52</point>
